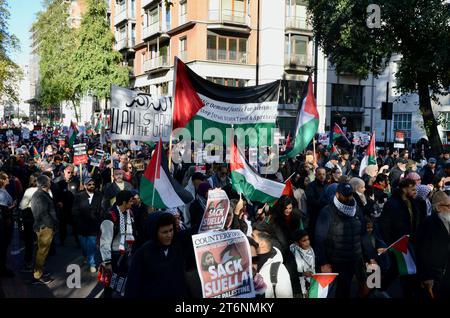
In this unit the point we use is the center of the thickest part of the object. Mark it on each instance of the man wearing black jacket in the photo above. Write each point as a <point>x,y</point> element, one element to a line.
<point>87,212</point>
<point>45,222</point>
<point>433,248</point>
<point>313,193</point>
<point>157,268</point>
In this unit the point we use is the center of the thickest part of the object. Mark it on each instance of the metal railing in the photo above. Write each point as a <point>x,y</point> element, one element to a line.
<point>121,44</point>
<point>296,60</point>
<point>298,23</point>
<point>161,61</point>
<point>151,30</point>
<point>119,17</point>
<point>227,56</point>
<point>233,16</point>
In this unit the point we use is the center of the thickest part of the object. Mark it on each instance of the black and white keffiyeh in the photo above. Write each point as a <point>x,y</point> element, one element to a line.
<point>126,232</point>
<point>349,210</point>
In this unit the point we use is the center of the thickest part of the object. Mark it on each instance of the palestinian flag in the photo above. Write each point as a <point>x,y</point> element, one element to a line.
<point>158,188</point>
<point>73,132</point>
<point>369,158</point>
<point>288,141</point>
<point>337,132</point>
<point>288,189</point>
<point>203,104</point>
<point>307,122</point>
<point>35,153</point>
<point>334,150</point>
<point>404,256</point>
<point>246,181</point>
<point>321,285</point>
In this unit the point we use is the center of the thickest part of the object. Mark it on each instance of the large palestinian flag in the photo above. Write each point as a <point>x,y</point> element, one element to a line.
<point>158,188</point>
<point>73,133</point>
<point>307,123</point>
<point>246,181</point>
<point>200,104</point>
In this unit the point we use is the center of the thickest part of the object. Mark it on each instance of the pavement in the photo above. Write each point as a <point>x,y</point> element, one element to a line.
<point>21,285</point>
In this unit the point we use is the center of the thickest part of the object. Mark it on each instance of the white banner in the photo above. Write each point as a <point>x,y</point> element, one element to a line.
<point>138,116</point>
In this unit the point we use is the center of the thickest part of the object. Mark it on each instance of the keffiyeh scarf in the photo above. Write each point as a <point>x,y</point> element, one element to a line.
<point>305,260</point>
<point>126,232</point>
<point>349,210</point>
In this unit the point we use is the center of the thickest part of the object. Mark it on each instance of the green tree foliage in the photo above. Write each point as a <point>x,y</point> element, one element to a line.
<point>56,48</point>
<point>10,72</point>
<point>97,65</point>
<point>419,30</point>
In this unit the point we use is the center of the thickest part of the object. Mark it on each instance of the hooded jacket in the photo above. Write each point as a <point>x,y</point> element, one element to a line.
<point>283,287</point>
<point>157,271</point>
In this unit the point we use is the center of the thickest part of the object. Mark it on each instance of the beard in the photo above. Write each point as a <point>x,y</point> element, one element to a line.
<point>446,216</point>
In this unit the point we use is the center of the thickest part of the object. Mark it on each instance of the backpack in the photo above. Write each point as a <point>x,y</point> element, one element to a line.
<point>274,267</point>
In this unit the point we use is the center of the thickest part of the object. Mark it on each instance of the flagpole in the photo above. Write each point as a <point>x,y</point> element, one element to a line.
<point>314,151</point>
<point>112,162</point>
<point>175,68</point>
<point>289,178</point>
<point>158,156</point>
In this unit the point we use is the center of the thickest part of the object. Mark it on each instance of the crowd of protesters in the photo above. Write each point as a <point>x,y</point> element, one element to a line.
<point>336,221</point>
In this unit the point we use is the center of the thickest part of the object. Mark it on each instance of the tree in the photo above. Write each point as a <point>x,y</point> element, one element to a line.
<point>418,30</point>
<point>10,72</point>
<point>57,43</point>
<point>97,65</point>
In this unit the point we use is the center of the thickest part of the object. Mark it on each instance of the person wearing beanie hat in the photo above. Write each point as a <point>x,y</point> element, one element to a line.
<point>433,254</point>
<point>338,240</point>
<point>428,173</point>
<point>87,212</point>
<point>304,258</point>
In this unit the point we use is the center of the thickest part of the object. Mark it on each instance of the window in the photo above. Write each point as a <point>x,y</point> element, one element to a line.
<point>228,10</point>
<point>232,82</point>
<point>133,35</point>
<point>296,49</point>
<point>133,9</point>
<point>162,89</point>
<point>121,6</point>
<point>291,92</point>
<point>227,49</point>
<point>403,122</point>
<point>183,49</point>
<point>446,126</point>
<point>183,12</point>
<point>347,95</point>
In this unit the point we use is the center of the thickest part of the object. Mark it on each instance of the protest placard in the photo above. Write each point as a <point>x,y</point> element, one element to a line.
<point>216,211</point>
<point>224,264</point>
<point>97,157</point>
<point>138,116</point>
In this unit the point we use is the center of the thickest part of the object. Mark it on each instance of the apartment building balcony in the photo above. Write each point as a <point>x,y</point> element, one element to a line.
<point>152,30</point>
<point>124,44</point>
<point>229,20</point>
<point>146,3</point>
<point>297,62</point>
<point>297,24</point>
<point>158,64</point>
<point>123,16</point>
<point>228,56</point>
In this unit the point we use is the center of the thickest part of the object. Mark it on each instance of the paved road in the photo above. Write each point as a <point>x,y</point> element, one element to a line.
<point>20,286</point>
